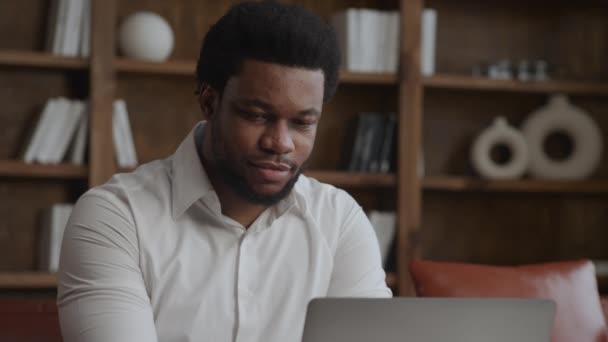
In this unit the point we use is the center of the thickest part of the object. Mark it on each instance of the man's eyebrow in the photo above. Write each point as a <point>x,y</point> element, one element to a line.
<point>269,108</point>
<point>256,103</point>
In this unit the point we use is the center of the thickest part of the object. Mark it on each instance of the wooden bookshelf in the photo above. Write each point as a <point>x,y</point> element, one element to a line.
<point>29,280</point>
<point>391,281</point>
<point>464,82</point>
<point>13,168</point>
<point>354,179</point>
<point>188,68</point>
<point>41,60</point>
<point>452,183</point>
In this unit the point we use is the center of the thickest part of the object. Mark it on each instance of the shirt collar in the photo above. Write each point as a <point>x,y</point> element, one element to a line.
<point>191,182</point>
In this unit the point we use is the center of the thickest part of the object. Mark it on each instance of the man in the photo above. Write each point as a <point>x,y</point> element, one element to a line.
<point>225,240</point>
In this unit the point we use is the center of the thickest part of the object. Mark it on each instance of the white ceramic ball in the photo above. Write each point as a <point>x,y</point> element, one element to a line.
<point>147,36</point>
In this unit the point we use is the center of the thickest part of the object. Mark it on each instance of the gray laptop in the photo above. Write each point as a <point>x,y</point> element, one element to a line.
<point>428,320</point>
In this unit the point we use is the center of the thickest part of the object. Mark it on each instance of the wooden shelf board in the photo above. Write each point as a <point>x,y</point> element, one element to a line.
<point>41,60</point>
<point>464,82</point>
<point>453,183</point>
<point>354,179</point>
<point>29,280</point>
<point>14,168</point>
<point>368,78</point>
<point>188,68</point>
<point>175,67</point>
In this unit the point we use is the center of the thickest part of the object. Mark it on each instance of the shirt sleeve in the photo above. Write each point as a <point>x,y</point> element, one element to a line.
<point>358,268</point>
<point>101,291</point>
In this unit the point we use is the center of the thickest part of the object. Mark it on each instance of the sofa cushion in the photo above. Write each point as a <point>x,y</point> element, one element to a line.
<point>571,285</point>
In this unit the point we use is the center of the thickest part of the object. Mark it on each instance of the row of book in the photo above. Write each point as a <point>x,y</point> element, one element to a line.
<point>369,39</point>
<point>69,28</point>
<point>62,129</point>
<point>385,227</point>
<point>53,223</point>
<point>374,142</point>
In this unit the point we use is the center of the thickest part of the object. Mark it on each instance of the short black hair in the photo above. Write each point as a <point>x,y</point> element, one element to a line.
<point>269,32</point>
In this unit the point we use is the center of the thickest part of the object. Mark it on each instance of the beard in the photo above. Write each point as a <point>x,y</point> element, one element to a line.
<point>228,173</point>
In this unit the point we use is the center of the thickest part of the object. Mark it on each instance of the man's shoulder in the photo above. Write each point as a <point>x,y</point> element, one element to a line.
<point>147,179</point>
<point>322,197</point>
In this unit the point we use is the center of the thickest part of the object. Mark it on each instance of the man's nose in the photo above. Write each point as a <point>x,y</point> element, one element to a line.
<point>277,138</point>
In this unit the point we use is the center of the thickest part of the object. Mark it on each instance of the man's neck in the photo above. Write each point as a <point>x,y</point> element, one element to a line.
<point>232,204</point>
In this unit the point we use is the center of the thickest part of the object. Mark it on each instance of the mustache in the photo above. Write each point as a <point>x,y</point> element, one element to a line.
<point>277,160</point>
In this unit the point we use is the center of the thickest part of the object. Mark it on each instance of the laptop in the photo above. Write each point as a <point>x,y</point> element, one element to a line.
<point>428,320</point>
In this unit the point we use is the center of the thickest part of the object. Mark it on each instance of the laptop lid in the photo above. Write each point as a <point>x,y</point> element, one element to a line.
<point>428,320</point>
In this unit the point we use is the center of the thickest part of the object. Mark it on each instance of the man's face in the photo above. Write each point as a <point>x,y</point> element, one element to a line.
<point>264,128</point>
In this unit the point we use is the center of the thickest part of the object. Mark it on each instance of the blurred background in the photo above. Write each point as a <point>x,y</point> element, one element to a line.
<point>469,131</point>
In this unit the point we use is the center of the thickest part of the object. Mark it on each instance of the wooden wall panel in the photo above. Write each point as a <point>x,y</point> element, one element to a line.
<point>22,204</point>
<point>513,228</point>
<point>23,24</point>
<point>573,35</point>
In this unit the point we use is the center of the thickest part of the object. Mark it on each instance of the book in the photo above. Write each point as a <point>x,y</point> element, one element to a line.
<point>53,224</point>
<point>85,41</point>
<point>118,137</point>
<point>79,144</point>
<point>37,139</point>
<point>54,130</point>
<point>375,143</point>
<point>363,120</point>
<point>73,29</point>
<point>60,27</point>
<point>385,226</point>
<point>123,137</point>
<point>387,144</point>
<point>126,125</point>
<point>67,130</point>
<point>427,42</point>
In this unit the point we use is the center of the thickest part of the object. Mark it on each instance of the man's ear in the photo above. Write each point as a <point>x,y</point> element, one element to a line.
<point>208,100</point>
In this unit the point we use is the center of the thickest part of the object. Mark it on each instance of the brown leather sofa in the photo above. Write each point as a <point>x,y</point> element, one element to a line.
<point>580,313</point>
<point>29,320</point>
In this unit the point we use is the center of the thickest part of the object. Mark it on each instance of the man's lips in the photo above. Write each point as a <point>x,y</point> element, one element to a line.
<point>272,171</point>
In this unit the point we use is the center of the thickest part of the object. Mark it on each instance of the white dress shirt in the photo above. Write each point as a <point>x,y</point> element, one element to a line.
<point>148,256</point>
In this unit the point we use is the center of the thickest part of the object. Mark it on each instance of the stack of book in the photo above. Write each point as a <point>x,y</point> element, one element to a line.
<point>126,156</point>
<point>69,28</point>
<point>369,40</point>
<point>385,226</point>
<point>374,142</point>
<point>53,223</point>
<point>62,128</point>
<point>61,134</point>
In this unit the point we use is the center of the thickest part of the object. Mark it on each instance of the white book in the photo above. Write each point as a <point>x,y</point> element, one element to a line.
<point>41,130</point>
<point>366,42</point>
<point>427,42</point>
<point>385,226</point>
<point>85,41</point>
<point>73,28</point>
<point>58,116</point>
<point>393,42</point>
<point>128,133</point>
<point>51,25</point>
<point>68,130</point>
<point>80,141</point>
<point>118,137</point>
<point>54,222</point>
<point>59,33</point>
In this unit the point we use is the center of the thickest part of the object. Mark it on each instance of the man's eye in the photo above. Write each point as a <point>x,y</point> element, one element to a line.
<point>304,123</point>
